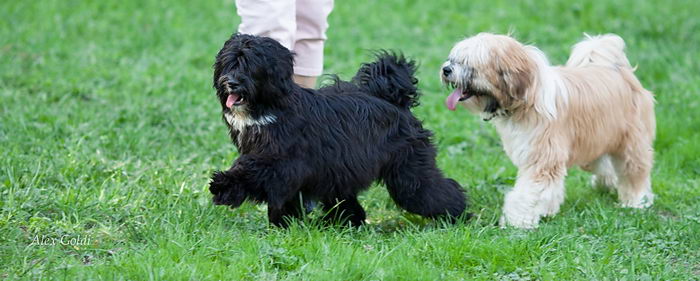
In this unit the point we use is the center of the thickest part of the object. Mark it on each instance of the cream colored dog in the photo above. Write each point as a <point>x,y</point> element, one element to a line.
<point>592,112</point>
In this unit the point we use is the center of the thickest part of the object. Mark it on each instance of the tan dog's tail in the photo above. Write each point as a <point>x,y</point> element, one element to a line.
<point>608,49</point>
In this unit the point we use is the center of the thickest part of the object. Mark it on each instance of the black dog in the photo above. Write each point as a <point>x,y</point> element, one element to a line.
<point>299,144</point>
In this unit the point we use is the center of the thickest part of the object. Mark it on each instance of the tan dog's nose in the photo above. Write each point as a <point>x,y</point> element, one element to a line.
<point>446,71</point>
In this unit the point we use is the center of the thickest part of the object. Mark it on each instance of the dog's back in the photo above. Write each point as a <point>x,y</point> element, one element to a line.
<point>609,50</point>
<point>606,99</point>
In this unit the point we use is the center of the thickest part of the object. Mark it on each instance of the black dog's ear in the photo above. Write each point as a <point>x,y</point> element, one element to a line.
<point>274,67</point>
<point>284,67</point>
<point>279,59</point>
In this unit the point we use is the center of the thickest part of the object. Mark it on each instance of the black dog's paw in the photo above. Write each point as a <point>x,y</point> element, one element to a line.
<point>219,182</point>
<point>225,190</point>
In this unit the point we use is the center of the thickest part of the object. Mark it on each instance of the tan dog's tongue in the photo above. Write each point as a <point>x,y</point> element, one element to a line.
<point>453,99</point>
<point>232,98</point>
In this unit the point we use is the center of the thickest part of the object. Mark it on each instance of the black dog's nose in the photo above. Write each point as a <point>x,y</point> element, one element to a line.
<point>229,82</point>
<point>233,84</point>
<point>446,71</point>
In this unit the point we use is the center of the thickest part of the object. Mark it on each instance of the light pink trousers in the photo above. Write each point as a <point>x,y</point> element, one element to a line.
<point>299,25</point>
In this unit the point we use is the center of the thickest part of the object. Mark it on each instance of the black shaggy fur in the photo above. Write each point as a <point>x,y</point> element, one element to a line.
<point>326,145</point>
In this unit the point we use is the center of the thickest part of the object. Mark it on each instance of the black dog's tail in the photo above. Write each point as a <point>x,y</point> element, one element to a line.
<point>390,77</point>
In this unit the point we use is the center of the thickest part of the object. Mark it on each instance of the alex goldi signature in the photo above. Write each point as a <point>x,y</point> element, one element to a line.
<point>66,240</point>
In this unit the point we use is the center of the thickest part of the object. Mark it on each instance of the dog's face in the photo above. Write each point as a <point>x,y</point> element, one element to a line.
<point>490,74</point>
<point>252,74</point>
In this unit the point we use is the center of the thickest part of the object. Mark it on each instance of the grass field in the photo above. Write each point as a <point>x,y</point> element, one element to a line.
<point>109,129</point>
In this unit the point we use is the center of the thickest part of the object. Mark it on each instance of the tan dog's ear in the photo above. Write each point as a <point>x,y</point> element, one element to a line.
<point>514,71</point>
<point>515,82</point>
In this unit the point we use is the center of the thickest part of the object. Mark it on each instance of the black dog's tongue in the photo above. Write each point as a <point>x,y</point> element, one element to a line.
<point>232,98</point>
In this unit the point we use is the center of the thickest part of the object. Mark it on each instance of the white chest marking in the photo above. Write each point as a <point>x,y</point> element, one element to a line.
<point>516,140</point>
<point>240,122</point>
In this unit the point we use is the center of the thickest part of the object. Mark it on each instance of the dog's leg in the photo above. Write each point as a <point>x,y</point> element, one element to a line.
<point>418,186</point>
<point>633,166</point>
<point>281,217</point>
<point>604,175</point>
<point>344,210</point>
<point>538,192</point>
<point>266,179</point>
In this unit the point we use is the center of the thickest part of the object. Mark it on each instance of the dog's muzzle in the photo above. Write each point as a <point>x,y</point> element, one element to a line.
<point>231,87</point>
